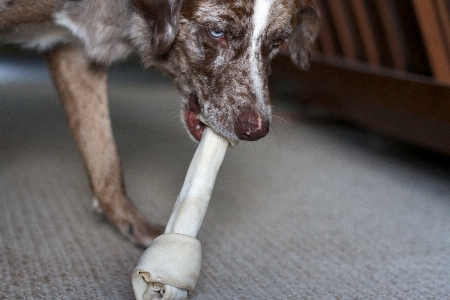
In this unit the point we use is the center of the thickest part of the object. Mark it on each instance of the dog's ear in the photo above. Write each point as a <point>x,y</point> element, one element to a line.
<point>161,24</point>
<point>305,33</point>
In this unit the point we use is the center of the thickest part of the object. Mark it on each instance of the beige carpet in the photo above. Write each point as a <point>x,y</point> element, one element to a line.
<point>317,210</point>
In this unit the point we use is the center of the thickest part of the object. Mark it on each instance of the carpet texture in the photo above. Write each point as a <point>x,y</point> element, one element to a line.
<point>316,210</point>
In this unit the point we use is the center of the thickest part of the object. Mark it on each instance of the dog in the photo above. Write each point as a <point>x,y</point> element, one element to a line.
<point>217,52</point>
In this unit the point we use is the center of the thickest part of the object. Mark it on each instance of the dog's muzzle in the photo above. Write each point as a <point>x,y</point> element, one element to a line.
<point>248,125</point>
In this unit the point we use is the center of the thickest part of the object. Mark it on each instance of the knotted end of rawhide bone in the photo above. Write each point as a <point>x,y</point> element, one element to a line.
<point>172,259</point>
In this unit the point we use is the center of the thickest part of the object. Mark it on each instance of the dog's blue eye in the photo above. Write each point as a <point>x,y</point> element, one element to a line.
<point>216,33</point>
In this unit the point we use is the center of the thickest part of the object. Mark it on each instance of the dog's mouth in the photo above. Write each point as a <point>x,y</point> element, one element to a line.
<point>191,117</point>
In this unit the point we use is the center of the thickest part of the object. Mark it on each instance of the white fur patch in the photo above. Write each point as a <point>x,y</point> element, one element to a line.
<point>61,18</point>
<point>260,17</point>
<point>220,60</point>
<point>103,41</point>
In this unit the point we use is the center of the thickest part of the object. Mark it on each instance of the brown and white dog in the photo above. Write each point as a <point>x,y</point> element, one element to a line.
<point>218,53</point>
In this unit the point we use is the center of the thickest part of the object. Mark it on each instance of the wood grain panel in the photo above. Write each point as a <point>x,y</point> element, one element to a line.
<point>428,18</point>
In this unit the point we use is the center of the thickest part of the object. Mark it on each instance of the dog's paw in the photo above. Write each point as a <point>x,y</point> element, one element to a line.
<point>122,213</point>
<point>133,225</point>
<point>140,231</point>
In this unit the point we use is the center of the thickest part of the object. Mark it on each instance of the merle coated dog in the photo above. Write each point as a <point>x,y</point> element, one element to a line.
<point>218,53</point>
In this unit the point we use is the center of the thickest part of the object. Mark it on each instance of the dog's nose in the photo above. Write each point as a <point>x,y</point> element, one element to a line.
<point>250,126</point>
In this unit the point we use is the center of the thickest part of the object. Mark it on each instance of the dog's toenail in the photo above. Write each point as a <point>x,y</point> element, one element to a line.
<point>130,229</point>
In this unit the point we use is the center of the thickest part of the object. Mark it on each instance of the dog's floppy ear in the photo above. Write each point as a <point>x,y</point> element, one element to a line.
<point>304,34</point>
<point>160,29</point>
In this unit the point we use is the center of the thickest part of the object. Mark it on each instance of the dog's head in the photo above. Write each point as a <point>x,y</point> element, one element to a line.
<point>219,53</point>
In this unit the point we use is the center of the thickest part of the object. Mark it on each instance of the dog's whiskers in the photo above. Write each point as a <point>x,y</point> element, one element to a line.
<point>281,119</point>
<point>289,110</point>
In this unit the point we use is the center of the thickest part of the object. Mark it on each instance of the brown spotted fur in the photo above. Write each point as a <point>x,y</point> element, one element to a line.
<point>83,37</point>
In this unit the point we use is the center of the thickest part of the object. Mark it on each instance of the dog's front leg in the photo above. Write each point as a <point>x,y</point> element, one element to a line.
<point>82,86</point>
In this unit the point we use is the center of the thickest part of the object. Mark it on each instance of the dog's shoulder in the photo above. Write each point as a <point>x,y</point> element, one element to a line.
<point>102,26</point>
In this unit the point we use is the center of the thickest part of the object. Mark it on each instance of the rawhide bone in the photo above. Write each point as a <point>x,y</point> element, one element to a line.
<point>170,267</point>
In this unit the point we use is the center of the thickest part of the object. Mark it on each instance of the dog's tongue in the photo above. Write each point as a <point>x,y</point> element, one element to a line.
<point>194,125</point>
